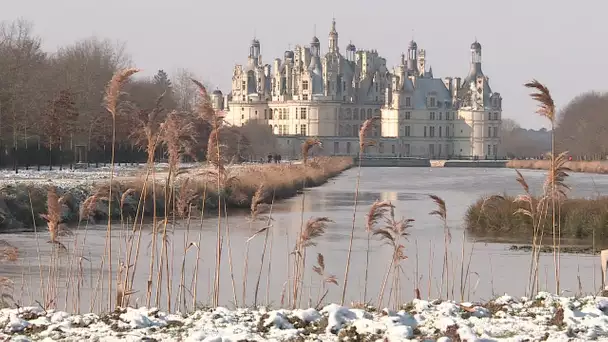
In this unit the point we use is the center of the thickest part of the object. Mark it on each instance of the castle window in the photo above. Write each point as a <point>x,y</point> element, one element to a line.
<point>348,147</point>
<point>440,131</point>
<point>440,116</point>
<point>336,147</point>
<point>304,85</point>
<point>490,116</point>
<point>393,149</point>
<point>489,131</point>
<point>432,102</point>
<point>489,149</point>
<point>408,102</point>
<point>495,150</point>
<point>408,115</point>
<point>432,131</point>
<point>381,148</point>
<point>425,131</point>
<point>369,113</point>
<point>243,85</point>
<point>356,114</point>
<point>495,133</point>
<point>447,131</point>
<point>407,131</point>
<point>432,116</point>
<point>303,129</point>
<point>303,113</point>
<point>305,97</point>
<point>265,114</point>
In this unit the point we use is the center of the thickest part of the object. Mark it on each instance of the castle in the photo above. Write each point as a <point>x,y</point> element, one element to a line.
<point>330,96</point>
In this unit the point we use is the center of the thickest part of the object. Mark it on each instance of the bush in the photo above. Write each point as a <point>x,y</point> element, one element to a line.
<point>579,218</point>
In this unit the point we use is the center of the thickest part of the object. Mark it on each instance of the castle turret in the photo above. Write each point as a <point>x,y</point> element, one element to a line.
<point>412,57</point>
<point>333,38</point>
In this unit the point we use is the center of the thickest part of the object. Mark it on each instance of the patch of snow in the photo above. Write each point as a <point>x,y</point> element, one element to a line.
<point>544,317</point>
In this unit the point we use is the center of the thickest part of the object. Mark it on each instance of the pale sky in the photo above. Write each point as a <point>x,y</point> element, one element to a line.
<point>561,43</point>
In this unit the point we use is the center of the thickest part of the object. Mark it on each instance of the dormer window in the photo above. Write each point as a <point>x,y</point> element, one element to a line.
<point>432,101</point>
<point>408,101</point>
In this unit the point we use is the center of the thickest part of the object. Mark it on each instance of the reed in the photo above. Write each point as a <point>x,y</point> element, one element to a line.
<point>546,108</point>
<point>441,213</point>
<point>363,143</point>
<point>314,228</point>
<point>377,212</point>
<point>393,232</point>
<point>325,279</point>
<point>111,99</point>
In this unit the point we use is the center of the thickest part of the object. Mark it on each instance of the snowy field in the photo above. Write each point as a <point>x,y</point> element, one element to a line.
<point>544,318</point>
<point>81,176</point>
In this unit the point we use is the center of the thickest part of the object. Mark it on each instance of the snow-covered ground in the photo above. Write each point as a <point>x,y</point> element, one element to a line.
<point>78,176</point>
<point>543,318</point>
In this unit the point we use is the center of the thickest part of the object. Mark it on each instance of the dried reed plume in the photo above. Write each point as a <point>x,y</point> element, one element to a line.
<point>113,90</point>
<point>555,185</point>
<point>87,207</point>
<point>392,233</point>
<point>441,212</point>
<point>124,196</point>
<point>546,108</point>
<point>325,279</point>
<point>307,146</point>
<point>111,98</point>
<point>178,136</point>
<point>8,252</point>
<point>364,131</point>
<point>314,228</point>
<point>378,211</point>
<point>363,142</point>
<point>53,214</point>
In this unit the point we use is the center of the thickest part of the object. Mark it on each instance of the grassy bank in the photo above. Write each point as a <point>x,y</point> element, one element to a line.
<point>575,166</point>
<point>578,218</point>
<point>21,203</point>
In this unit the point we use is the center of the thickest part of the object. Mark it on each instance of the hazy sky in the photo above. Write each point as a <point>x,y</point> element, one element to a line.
<point>561,43</point>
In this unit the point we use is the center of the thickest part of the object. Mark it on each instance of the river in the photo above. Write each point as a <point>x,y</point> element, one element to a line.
<point>494,270</point>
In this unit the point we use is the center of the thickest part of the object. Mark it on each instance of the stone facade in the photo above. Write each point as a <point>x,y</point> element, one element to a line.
<point>330,95</point>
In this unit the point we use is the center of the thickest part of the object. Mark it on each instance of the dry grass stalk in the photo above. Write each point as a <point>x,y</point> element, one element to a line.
<point>314,228</point>
<point>255,209</point>
<point>441,212</point>
<point>546,108</point>
<point>377,212</point>
<point>363,142</point>
<point>392,234</point>
<point>214,157</point>
<point>325,279</point>
<point>112,95</point>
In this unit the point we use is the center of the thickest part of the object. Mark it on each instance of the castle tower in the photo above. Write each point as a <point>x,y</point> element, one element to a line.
<point>254,52</point>
<point>315,47</point>
<point>333,38</point>
<point>351,52</point>
<point>475,60</point>
<point>412,57</point>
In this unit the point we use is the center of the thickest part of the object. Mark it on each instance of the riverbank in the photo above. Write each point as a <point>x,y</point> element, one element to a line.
<point>196,186</point>
<point>579,218</point>
<point>545,317</point>
<point>575,166</point>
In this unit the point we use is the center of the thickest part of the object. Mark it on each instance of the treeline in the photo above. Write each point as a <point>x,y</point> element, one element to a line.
<point>53,101</point>
<point>582,131</point>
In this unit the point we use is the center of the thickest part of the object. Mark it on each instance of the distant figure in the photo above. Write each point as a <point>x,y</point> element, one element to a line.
<point>278,158</point>
<point>269,158</point>
<point>570,158</point>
